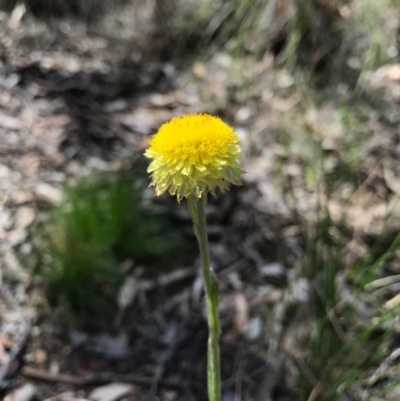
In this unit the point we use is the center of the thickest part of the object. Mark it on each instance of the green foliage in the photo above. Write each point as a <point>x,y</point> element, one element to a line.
<point>100,224</point>
<point>343,348</point>
<point>371,21</point>
<point>349,331</point>
<point>237,25</point>
<point>312,33</point>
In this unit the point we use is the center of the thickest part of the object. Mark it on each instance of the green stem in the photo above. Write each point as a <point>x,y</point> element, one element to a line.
<point>197,211</point>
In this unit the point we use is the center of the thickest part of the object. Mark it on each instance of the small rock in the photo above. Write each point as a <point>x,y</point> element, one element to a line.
<point>111,392</point>
<point>24,393</point>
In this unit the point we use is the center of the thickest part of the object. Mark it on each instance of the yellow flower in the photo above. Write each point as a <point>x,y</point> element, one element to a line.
<point>193,155</point>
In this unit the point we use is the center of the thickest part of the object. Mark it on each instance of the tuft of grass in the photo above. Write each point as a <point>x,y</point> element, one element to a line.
<point>101,223</point>
<point>345,347</point>
<point>318,35</point>
<point>372,16</point>
<point>347,351</point>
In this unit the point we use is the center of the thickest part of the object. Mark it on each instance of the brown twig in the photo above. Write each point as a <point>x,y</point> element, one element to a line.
<point>44,375</point>
<point>96,378</point>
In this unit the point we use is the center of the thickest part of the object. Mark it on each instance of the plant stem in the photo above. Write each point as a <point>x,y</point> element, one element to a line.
<point>197,211</point>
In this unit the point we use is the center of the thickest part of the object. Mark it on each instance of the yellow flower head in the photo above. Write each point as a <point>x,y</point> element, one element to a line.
<point>193,155</point>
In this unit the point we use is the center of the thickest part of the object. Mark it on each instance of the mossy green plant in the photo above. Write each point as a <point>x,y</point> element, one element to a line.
<point>101,223</point>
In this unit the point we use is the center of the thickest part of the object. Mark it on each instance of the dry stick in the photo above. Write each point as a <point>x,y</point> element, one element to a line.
<point>44,375</point>
<point>97,378</point>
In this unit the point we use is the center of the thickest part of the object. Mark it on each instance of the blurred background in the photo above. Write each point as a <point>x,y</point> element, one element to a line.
<point>100,287</point>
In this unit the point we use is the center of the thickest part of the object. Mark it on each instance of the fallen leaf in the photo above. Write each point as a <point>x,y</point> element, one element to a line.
<point>272,270</point>
<point>127,292</point>
<point>393,72</point>
<point>4,171</point>
<point>9,122</point>
<point>25,393</point>
<point>40,356</point>
<point>6,341</point>
<point>257,169</point>
<point>59,120</point>
<point>199,70</point>
<point>28,164</point>
<point>16,16</point>
<point>392,181</point>
<point>284,79</point>
<point>241,311</point>
<point>24,217</point>
<point>167,100</point>
<point>393,302</point>
<point>243,114</point>
<point>21,196</point>
<point>284,105</point>
<point>3,354</point>
<point>47,193</point>
<point>254,328</point>
<point>66,396</point>
<point>111,392</point>
<point>345,11</point>
<point>145,120</point>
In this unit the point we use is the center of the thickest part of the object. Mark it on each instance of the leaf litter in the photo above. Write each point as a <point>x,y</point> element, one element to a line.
<point>72,103</point>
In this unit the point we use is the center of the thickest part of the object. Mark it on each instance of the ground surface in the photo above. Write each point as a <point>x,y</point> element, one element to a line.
<point>76,100</point>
